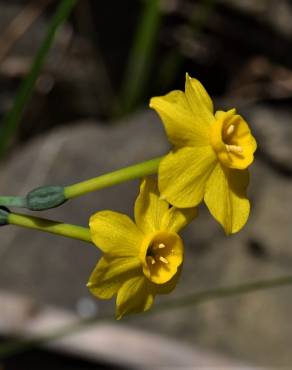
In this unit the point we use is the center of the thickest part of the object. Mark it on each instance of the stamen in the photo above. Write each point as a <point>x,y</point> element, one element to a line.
<point>233,148</point>
<point>163,259</point>
<point>230,130</point>
<point>161,245</point>
<point>151,260</point>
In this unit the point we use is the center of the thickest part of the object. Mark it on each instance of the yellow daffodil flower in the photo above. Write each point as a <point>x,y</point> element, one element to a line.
<point>139,259</point>
<point>210,157</point>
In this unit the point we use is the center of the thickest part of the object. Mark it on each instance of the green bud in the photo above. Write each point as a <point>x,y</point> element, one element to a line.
<point>4,212</point>
<point>45,197</point>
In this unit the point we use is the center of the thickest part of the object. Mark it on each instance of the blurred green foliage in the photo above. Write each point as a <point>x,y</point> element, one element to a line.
<point>13,117</point>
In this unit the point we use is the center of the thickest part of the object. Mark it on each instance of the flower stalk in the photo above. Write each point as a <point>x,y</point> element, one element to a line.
<point>114,178</point>
<point>47,197</point>
<point>11,201</point>
<point>4,212</point>
<point>49,226</point>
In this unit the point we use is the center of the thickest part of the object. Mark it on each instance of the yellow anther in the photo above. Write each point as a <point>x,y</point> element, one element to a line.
<point>163,259</point>
<point>234,148</point>
<point>161,245</point>
<point>230,130</point>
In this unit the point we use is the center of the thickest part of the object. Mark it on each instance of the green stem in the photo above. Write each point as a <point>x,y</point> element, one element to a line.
<point>14,347</point>
<point>48,197</point>
<point>49,226</point>
<point>52,196</point>
<point>13,117</point>
<point>117,177</point>
<point>225,292</point>
<point>19,202</point>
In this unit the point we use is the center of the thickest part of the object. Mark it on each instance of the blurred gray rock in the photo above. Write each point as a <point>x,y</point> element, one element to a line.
<point>273,129</point>
<point>252,327</point>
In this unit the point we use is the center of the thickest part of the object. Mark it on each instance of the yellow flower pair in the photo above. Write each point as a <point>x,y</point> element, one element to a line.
<point>209,161</point>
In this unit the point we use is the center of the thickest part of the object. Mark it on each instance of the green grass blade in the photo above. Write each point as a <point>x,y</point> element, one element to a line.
<point>173,61</point>
<point>13,117</point>
<point>14,347</point>
<point>139,62</point>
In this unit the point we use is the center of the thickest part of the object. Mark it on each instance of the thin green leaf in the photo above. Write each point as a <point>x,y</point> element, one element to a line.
<point>139,62</point>
<point>12,118</point>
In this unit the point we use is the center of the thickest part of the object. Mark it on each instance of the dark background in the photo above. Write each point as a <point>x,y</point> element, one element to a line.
<point>89,115</point>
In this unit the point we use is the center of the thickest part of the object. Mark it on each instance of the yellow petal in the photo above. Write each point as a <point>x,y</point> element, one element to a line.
<point>199,101</point>
<point>115,234</point>
<point>182,127</point>
<point>149,208</point>
<point>175,218</point>
<point>109,275</point>
<point>134,296</point>
<point>183,175</point>
<point>226,197</point>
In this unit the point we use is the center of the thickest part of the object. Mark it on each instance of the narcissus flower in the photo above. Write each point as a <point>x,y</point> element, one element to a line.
<point>210,156</point>
<point>141,259</point>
